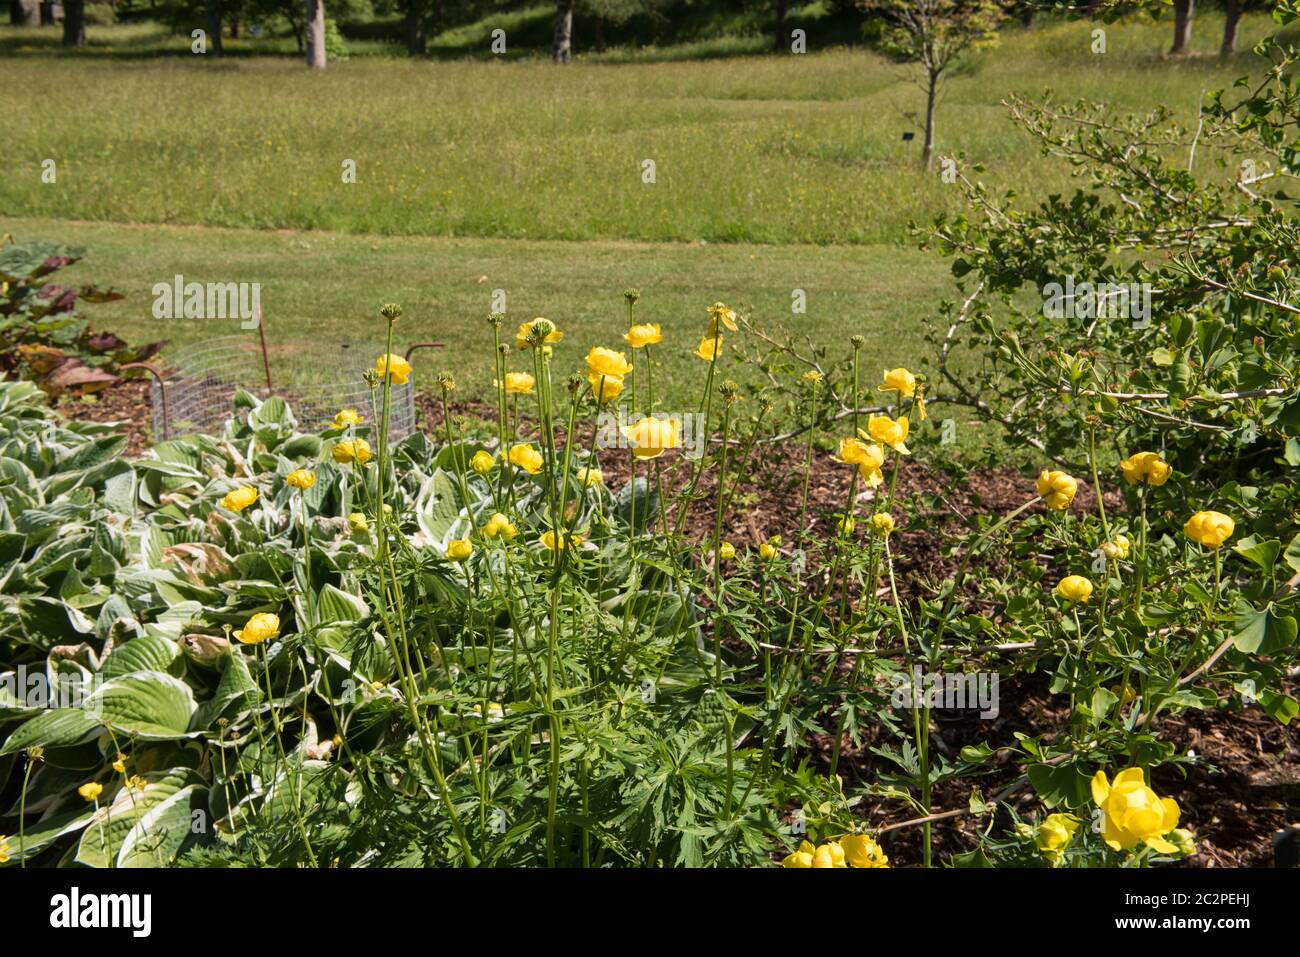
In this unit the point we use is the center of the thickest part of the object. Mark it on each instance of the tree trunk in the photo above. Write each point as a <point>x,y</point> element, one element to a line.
<point>931,96</point>
<point>234,27</point>
<point>1232,19</point>
<point>74,23</point>
<point>599,39</point>
<point>780,41</point>
<point>316,34</point>
<point>416,37</point>
<point>24,13</point>
<point>214,14</point>
<point>562,49</point>
<point>47,13</point>
<point>1183,10</point>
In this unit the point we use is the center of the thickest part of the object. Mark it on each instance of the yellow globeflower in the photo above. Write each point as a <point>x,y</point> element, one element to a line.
<point>1074,588</point>
<point>552,541</point>
<point>607,362</point>
<point>526,457</point>
<point>301,479</point>
<point>119,763</point>
<point>353,450</point>
<point>588,477</point>
<point>539,332</point>
<point>1117,548</point>
<point>239,499</point>
<point>4,849</point>
<point>395,367</point>
<point>722,316</point>
<point>1054,835</point>
<point>868,459</point>
<point>644,334</point>
<point>767,551</point>
<point>727,551</point>
<point>259,629</point>
<point>883,523</point>
<point>1210,529</point>
<point>357,522</point>
<point>499,526</point>
<point>481,462</point>
<point>345,417</point>
<point>710,348</point>
<point>459,549</point>
<point>651,437</point>
<point>1133,812</point>
<point>891,432</point>
<point>829,854</point>
<point>1057,489</point>
<point>519,383</point>
<point>899,380</point>
<point>1146,467</point>
<point>861,851</point>
<point>91,790</point>
<point>605,388</point>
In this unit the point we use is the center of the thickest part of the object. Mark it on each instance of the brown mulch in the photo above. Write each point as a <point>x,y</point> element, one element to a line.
<point>1242,790</point>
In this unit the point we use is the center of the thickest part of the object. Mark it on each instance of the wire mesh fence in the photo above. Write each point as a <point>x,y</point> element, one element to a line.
<point>194,393</point>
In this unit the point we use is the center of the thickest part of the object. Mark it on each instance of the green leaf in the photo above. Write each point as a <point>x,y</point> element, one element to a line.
<point>1064,784</point>
<point>163,831</point>
<point>1264,554</point>
<point>149,704</point>
<point>60,728</point>
<point>1262,631</point>
<point>334,604</point>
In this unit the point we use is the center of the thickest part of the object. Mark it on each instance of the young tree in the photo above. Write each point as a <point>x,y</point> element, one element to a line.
<point>74,23</point>
<point>23,13</point>
<point>934,34</point>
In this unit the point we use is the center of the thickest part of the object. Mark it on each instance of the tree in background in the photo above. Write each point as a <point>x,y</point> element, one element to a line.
<point>74,23</point>
<point>934,34</point>
<point>1183,11</point>
<point>562,47</point>
<point>316,34</point>
<point>24,13</point>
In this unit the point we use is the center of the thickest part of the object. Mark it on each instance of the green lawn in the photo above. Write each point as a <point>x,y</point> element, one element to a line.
<point>795,149</point>
<point>321,290</point>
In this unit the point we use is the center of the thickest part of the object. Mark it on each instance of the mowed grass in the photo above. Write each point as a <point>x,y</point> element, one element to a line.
<point>321,294</point>
<point>783,150</point>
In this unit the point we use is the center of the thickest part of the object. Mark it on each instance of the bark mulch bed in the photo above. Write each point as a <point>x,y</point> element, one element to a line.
<point>1243,789</point>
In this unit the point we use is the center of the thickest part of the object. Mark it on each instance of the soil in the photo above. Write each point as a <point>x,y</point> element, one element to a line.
<point>1239,795</point>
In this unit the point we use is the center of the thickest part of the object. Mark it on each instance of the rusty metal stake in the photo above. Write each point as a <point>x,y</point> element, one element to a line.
<point>423,345</point>
<point>261,335</point>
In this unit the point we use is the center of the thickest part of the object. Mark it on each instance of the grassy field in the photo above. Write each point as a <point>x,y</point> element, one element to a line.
<point>322,290</point>
<point>797,149</point>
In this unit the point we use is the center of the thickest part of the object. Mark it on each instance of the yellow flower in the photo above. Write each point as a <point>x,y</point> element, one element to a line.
<point>605,388</point>
<point>395,367</point>
<point>891,432</point>
<point>1210,529</point>
<point>590,476</point>
<point>813,377</point>
<point>1055,834</point>
<point>1057,489</point>
<point>710,348</point>
<point>1117,548</point>
<point>239,499</point>
<point>136,783</point>
<point>540,329</point>
<point>91,790</point>
<point>352,450</point>
<point>4,849</point>
<point>644,334</point>
<point>861,851</point>
<point>767,551</point>
<point>920,407</point>
<point>526,457</point>
<point>607,362</point>
<point>345,417</point>
<point>301,479</point>
<point>1133,812</point>
<point>651,437</point>
<point>459,549</point>
<point>721,315</point>
<point>481,462</point>
<point>868,459</point>
<point>1074,588</point>
<point>499,525</point>
<point>262,627</point>
<point>883,523</point>
<point>119,765</point>
<point>1146,467</point>
<point>358,523</point>
<point>552,542</point>
<point>520,383</point>
<point>899,380</point>
<point>727,551</point>
<point>829,854</point>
